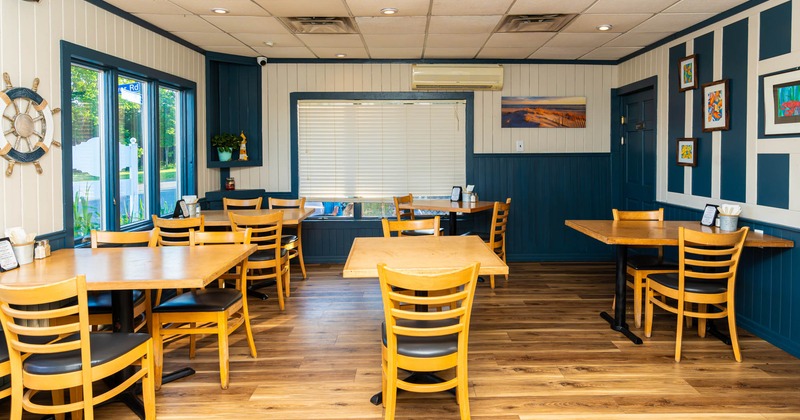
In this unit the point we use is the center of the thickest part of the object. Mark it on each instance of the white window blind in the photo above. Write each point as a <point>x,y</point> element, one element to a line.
<point>373,150</point>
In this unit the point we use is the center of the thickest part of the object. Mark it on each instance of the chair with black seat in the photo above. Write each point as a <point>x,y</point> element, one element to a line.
<point>426,341</point>
<point>241,203</point>
<point>5,366</point>
<point>641,265</point>
<point>73,363</point>
<point>175,232</point>
<point>271,260</point>
<point>706,275</point>
<point>398,227</point>
<point>496,237</point>
<point>292,237</point>
<point>408,214</point>
<point>214,311</point>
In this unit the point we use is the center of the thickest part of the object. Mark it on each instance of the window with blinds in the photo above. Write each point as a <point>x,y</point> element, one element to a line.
<point>367,151</point>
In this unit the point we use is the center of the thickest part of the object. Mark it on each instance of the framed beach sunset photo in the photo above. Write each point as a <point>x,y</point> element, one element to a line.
<point>543,111</point>
<point>716,99</point>
<point>782,103</point>
<point>687,71</point>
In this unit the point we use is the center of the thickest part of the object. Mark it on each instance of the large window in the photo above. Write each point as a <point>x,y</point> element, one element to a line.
<point>130,141</point>
<point>370,150</point>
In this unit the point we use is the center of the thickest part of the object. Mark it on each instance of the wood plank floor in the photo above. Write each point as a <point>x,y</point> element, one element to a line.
<point>538,349</point>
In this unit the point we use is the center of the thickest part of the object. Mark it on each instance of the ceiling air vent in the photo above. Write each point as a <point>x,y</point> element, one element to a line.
<point>535,23</point>
<point>320,25</point>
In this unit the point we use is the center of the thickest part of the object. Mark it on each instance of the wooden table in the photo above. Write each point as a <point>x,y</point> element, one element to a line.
<point>420,254</point>
<point>452,207</point>
<point>625,233</point>
<point>123,269</point>
<point>291,217</point>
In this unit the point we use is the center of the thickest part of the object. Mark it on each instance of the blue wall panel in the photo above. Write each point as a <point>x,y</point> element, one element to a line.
<point>776,31</point>
<point>676,120</point>
<point>773,180</point>
<point>701,174</point>
<point>734,141</point>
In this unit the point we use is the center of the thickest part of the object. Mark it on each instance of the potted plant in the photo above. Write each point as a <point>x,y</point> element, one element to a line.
<point>225,144</point>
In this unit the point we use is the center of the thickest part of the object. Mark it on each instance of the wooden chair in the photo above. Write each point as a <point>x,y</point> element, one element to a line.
<point>175,232</point>
<point>496,238</point>
<point>706,275</point>
<point>408,214</point>
<point>291,243</point>
<point>241,204</point>
<point>100,302</point>
<point>426,341</point>
<point>71,363</point>
<point>271,261</point>
<point>417,225</point>
<point>218,311</point>
<point>5,364</point>
<point>640,265</point>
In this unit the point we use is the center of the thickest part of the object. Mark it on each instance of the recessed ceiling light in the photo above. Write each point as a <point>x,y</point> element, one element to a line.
<point>220,10</point>
<point>340,55</point>
<point>269,43</point>
<point>389,10</point>
<point>604,27</point>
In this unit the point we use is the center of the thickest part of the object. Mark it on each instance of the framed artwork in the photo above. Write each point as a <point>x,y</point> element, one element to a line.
<point>716,99</point>
<point>687,71</point>
<point>687,152</point>
<point>543,112</point>
<point>782,103</point>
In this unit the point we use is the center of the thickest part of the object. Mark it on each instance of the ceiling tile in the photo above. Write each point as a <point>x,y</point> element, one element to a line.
<point>247,52</point>
<point>235,7</point>
<point>324,52</point>
<point>248,24</point>
<point>179,23</point>
<point>609,53</point>
<point>285,52</point>
<point>560,53</point>
<point>463,24</point>
<point>456,40</point>
<point>527,7</point>
<point>392,25</point>
<point>671,22</point>
<point>158,7</point>
<point>520,40</point>
<point>620,23</point>
<point>631,6</point>
<point>450,52</point>
<point>580,40</point>
<point>517,53</point>
<point>208,38</point>
<point>389,53</point>
<point>404,7</point>
<point>320,8</point>
<point>695,6</point>
<point>637,39</point>
<point>258,40</point>
<point>469,7</point>
<point>331,40</point>
<point>395,41</point>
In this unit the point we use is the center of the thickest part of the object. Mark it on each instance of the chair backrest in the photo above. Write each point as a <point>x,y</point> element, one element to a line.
<point>287,203</point>
<point>398,226</point>
<point>220,237</point>
<point>456,289</point>
<point>107,239</point>
<point>497,234</point>
<point>21,314</point>
<point>265,229</point>
<point>241,203</point>
<point>175,232</point>
<point>643,215</point>
<point>709,256</point>
<point>403,214</point>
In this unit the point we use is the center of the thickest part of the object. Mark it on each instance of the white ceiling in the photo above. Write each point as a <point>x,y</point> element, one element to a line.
<point>425,29</point>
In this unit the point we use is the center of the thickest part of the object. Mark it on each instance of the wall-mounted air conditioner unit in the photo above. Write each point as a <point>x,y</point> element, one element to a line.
<point>457,77</point>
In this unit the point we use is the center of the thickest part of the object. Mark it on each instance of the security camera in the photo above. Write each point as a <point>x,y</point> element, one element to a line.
<point>262,61</point>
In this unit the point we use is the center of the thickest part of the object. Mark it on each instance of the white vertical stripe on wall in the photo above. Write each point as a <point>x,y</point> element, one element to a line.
<point>29,47</point>
<point>281,79</point>
<point>716,136</point>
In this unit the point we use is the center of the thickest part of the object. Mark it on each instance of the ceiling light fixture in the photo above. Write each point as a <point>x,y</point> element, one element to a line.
<point>340,55</point>
<point>604,27</point>
<point>269,43</point>
<point>220,10</point>
<point>389,10</point>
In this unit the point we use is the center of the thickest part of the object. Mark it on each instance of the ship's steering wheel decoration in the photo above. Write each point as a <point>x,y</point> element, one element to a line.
<point>27,125</point>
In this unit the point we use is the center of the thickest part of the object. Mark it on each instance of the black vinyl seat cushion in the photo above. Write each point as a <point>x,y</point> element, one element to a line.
<point>288,239</point>
<point>692,285</point>
<point>105,347</point>
<point>203,300</point>
<point>265,255</point>
<point>424,346</point>
<point>100,302</point>
<point>650,262</point>
<point>420,232</point>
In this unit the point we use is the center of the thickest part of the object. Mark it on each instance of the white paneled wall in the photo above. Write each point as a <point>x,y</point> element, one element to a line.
<point>281,79</point>
<point>29,47</point>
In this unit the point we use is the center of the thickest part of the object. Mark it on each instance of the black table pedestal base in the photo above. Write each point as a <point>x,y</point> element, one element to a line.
<point>623,328</point>
<point>252,292</point>
<point>416,378</point>
<point>711,328</point>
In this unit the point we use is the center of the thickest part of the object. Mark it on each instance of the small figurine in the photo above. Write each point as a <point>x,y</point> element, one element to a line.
<point>243,147</point>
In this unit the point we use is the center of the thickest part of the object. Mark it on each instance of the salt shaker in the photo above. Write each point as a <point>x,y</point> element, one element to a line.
<point>38,251</point>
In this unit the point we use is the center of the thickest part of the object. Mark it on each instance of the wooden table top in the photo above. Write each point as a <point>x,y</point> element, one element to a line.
<point>660,233</point>
<point>133,267</point>
<point>449,206</point>
<point>421,254</point>
<point>290,216</point>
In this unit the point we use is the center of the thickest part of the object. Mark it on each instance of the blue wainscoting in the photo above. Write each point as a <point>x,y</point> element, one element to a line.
<point>767,293</point>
